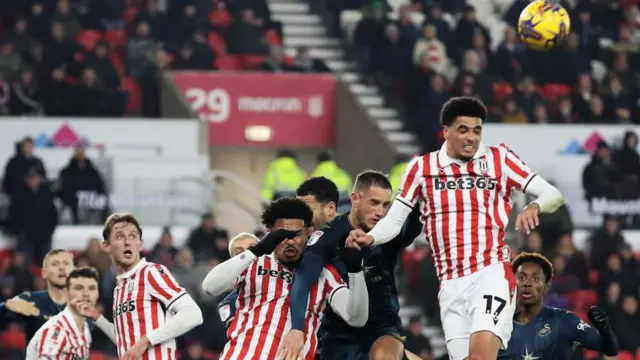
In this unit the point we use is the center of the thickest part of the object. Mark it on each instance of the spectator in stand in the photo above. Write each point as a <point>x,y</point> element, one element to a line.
<point>509,56</point>
<point>33,218</point>
<point>19,166</point>
<point>512,114</point>
<point>415,341</point>
<point>582,97</point>
<point>65,16</point>
<point>616,102</point>
<point>141,51</point>
<point>473,67</point>
<point>390,55</point>
<point>430,52</point>
<point>565,114</point>
<point>326,166</point>
<point>80,175</point>
<point>60,51</point>
<point>283,176</point>
<point>366,37</point>
<point>626,323</point>
<point>571,61</point>
<point>575,261</point>
<point>596,111</point>
<point>20,273</point>
<point>20,38</point>
<point>245,35</point>
<point>467,26</point>
<point>183,272</point>
<point>601,176</point>
<point>527,96</point>
<point>605,241</point>
<point>164,252</point>
<point>610,302</point>
<point>276,61</point>
<point>534,243</point>
<point>155,18</point>
<point>308,64</point>
<point>100,61</point>
<point>563,282</point>
<point>10,61</point>
<point>614,272</point>
<point>26,95</point>
<point>541,113</point>
<point>627,161</point>
<point>202,239</point>
<point>98,258</point>
<point>5,96</point>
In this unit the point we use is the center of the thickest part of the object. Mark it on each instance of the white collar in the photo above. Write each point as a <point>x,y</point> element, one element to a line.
<point>444,159</point>
<point>133,270</point>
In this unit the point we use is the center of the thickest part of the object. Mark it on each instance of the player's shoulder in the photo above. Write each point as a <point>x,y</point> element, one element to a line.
<point>34,295</point>
<point>156,268</point>
<point>331,229</point>
<point>551,312</point>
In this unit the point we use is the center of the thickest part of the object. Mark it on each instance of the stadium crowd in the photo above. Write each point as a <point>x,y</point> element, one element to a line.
<point>110,54</point>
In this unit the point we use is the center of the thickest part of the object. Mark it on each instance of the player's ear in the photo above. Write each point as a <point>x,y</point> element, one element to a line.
<point>354,197</point>
<point>331,208</point>
<point>105,246</point>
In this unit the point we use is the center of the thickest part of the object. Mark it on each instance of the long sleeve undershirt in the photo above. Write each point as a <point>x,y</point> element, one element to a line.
<point>186,316</point>
<point>548,198</point>
<point>352,304</point>
<point>223,277</point>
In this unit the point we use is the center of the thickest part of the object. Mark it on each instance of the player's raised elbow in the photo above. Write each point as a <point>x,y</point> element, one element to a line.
<point>358,321</point>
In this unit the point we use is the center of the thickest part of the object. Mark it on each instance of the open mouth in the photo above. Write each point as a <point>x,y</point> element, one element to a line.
<point>290,251</point>
<point>128,254</point>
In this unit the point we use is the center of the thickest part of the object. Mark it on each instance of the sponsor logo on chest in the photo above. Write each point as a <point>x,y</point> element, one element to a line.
<point>282,274</point>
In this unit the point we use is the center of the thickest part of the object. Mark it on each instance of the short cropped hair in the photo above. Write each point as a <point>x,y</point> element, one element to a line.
<point>83,272</point>
<point>536,258</point>
<point>323,189</point>
<point>287,208</point>
<point>53,252</point>
<point>369,178</point>
<point>462,106</point>
<point>239,237</point>
<point>117,218</point>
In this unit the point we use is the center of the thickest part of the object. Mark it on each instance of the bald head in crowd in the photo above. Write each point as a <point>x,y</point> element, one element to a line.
<point>241,242</point>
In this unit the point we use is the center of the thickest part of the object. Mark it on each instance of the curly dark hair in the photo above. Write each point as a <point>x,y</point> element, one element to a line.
<point>324,190</point>
<point>287,208</point>
<point>462,106</point>
<point>536,258</point>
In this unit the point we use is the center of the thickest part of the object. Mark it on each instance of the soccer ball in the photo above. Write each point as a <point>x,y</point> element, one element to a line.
<point>543,24</point>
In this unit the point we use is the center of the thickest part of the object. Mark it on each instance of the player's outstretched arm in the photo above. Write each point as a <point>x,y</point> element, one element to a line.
<point>598,337</point>
<point>352,303</point>
<point>228,273</point>
<point>187,315</point>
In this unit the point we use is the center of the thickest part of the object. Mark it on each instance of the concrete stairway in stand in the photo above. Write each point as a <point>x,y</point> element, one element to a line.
<point>301,27</point>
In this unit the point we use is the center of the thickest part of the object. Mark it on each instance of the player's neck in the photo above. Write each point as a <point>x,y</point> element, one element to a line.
<point>121,269</point>
<point>353,220</point>
<point>58,295</point>
<point>77,318</point>
<point>527,313</point>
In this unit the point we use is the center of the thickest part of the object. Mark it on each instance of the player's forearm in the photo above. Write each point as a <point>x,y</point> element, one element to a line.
<point>548,197</point>
<point>223,277</point>
<point>306,275</point>
<point>107,328</point>
<point>390,225</point>
<point>352,304</point>
<point>187,316</point>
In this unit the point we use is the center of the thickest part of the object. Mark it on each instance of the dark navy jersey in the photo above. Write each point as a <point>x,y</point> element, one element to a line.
<point>31,324</point>
<point>552,335</point>
<point>227,308</point>
<point>379,265</point>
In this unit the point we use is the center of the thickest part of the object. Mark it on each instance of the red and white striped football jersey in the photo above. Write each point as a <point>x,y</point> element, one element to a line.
<point>60,339</point>
<point>141,303</point>
<point>465,206</point>
<point>262,315</point>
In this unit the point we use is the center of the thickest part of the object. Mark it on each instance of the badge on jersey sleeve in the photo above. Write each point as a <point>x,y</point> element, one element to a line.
<point>314,237</point>
<point>225,312</point>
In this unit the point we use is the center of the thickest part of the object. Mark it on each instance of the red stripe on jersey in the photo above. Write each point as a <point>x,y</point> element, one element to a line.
<point>496,213</point>
<point>43,339</point>
<point>63,344</point>
<point>270,312</point>
<point>460,210</point>
<point>129,314</point>
<point>446,239</point>
<point>488,231</point>
<point>409,180</point>
<point>432,226</point>
<point>155,314</point>
<point>281,325</point>
<point>256,312</point>
<point>140,308</point>
<point>475,240</point>
<point>334,273</point>
<point>122,341</point>
<point>156,287</point>
<point>168,280</point>
<point>313,297</point>
<point>515,168</point>
<point>71,335</point>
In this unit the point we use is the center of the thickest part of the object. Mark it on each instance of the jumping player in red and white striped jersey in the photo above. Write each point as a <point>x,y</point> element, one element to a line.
<point>67,335</point>
<point>464,191</point>
<point>150,309</point>
<point>264,274</point>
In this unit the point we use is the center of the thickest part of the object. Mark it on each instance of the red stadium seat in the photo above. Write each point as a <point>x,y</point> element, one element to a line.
<point>594,276</point>
<point>582,300</point>
<point>625,355</point>
<point>217,43</point>
<point>554,91</point>
<point>591,355</point>
<point>220,17</point>
<point>273,38</point>
<point>89,38</point>
<point>117,63</point>
<point>129,14</point>
<point>228,63</point>
<point>117,39</point>
<point>128,84</point>
<point>249,62</point>
<point>501,90</point>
